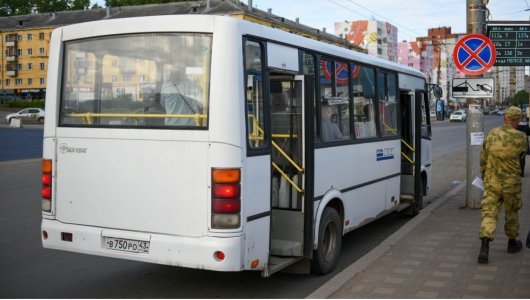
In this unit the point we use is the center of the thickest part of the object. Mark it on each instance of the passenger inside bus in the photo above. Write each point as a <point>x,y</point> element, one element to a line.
<point>329,131</point>
<point>174,102</point>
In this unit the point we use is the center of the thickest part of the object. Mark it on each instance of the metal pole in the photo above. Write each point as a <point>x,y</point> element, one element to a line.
<point>476,23</point>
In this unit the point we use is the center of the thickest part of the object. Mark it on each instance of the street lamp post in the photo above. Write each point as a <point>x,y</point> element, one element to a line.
<point>476,23</point>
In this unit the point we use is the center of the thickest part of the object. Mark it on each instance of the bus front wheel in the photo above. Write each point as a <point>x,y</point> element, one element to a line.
<point>325,258</point>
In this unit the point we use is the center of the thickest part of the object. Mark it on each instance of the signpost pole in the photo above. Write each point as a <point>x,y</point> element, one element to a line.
<point>476,23</point>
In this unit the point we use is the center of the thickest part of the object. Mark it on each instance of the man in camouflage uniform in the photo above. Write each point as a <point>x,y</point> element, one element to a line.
<point>500,168</point>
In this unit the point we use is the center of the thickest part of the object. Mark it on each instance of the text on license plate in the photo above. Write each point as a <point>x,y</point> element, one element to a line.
<point>127,245</point>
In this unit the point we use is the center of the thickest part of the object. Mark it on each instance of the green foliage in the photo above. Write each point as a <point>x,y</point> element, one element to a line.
<point>116,3</point>
<point>521,97</point>
<point>18,7</point>
<point>15,7</point>
<point>24,104</point>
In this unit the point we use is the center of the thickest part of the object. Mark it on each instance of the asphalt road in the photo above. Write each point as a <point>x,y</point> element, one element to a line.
<point>29,271</point>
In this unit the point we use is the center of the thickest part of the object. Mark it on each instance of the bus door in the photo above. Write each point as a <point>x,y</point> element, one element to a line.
<point>288,166</point>
<point>411,150</point>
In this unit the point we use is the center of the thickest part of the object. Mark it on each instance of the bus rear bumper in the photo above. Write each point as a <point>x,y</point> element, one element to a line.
<point>197,253</point>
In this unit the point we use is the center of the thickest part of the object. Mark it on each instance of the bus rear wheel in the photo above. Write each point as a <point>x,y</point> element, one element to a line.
<point>325,258</point>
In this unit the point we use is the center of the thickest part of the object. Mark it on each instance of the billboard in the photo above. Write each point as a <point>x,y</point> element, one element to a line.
<point>512,43</point>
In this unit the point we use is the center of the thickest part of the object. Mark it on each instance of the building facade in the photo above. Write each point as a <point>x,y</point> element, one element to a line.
<point>417,55</point>
<point>24,62</point>
<point>443,70</point>
<point>508,81</point>
<point>375,37</point>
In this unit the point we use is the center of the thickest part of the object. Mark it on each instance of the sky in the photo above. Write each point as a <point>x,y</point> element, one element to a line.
<point>411,17</point>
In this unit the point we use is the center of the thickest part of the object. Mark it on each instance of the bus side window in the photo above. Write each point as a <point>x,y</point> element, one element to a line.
<point>342,97</point>
<point>309,67</point>
<point>387,100</point>
<point>363,102</point>
<point>254,95</point>
<point>334,100</point>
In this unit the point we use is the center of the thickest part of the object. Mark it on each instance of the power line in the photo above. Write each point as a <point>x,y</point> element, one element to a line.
<point>356,12</point>
<point>403,26</point>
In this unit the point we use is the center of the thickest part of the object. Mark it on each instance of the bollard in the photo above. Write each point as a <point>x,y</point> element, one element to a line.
<point>15,123</point>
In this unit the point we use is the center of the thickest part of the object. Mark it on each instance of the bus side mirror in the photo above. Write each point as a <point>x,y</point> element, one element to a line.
<point>437,91</point>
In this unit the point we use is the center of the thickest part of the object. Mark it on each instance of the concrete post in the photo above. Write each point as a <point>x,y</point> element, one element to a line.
<point>476,23</point>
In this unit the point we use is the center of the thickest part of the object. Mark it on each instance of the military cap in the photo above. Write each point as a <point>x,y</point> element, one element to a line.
<point>512,113</point>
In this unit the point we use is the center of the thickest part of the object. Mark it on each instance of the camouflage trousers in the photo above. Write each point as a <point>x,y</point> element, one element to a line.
<point>495,195</point>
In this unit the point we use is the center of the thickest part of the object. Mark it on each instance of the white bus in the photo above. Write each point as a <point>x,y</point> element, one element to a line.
<point>213,143</point>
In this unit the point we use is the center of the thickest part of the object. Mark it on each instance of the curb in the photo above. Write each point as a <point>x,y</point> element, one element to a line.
<point>335,283</point>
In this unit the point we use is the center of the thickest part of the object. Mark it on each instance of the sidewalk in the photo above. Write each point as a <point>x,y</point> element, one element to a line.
<point>435,256</point>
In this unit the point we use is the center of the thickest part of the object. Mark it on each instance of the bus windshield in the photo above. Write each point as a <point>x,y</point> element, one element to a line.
<point>137,80</point>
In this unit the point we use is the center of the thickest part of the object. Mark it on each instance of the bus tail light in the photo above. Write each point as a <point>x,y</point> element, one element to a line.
<point>226,198</point>
<point>46,185</point>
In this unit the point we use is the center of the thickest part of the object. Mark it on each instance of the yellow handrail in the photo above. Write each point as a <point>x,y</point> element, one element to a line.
<point>411,149</point>
<point>394,130</point>
<point>287,178</point>
<point>255,135</point>
<point>87,117</point>
<point>287,157</point>
<point>408,146</point>
<point>407,158</point>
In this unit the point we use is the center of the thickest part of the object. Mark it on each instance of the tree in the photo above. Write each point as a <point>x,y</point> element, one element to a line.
<point>15,7</point>
<point>521,97</point>
<point>116,3</point>
<point>18,7</point>
<point>44,6</point>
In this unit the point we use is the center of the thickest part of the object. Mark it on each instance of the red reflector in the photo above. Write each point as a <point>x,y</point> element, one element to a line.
<point>45,234</point>
<point>226,206</point>
<point>46,192</point>
<point>226,190</point>
<point>47,179</point>
<point>220,256</point>
<point>66,236</point>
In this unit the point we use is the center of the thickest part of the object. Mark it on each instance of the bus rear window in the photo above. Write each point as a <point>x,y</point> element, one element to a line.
<point>137,80</point>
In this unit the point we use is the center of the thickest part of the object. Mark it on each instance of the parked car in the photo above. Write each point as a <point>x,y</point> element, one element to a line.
<point>458,115</point>
<point>501,112</point>
<point>27,114</point>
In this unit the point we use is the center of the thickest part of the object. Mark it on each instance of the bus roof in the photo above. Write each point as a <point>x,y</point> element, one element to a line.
<point>207,23</point>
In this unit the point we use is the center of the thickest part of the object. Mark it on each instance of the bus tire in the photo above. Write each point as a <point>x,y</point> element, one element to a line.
<point>326,256</point>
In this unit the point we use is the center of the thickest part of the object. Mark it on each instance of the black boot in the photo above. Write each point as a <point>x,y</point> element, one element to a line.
<point>484,251</point>
<point>514,246</point>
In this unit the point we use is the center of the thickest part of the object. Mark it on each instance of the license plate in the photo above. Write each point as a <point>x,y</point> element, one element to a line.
<point>127,245</point>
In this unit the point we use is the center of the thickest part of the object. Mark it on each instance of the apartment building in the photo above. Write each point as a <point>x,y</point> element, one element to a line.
<point>508,81</point>
<point>23,62</point>
<point>377,38</point>
<point>417,55</point>
<point>443,69</point>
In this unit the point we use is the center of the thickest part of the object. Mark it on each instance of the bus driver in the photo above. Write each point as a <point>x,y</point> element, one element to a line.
<point>175,102</point>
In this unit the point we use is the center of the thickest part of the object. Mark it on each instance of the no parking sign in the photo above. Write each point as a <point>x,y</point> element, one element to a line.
<point>474,54</point>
